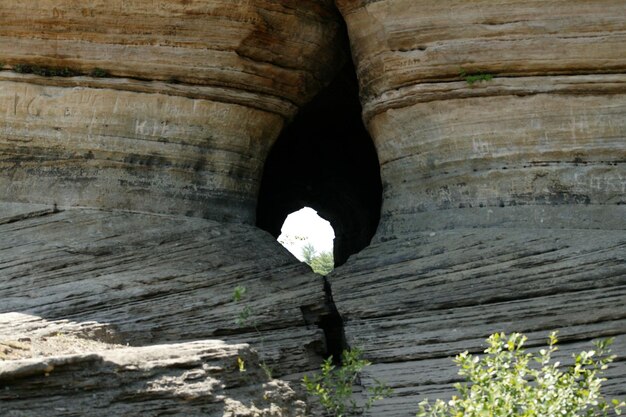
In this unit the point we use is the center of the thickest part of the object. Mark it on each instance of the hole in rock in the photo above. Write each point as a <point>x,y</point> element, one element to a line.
<point>310,239</point>
<point>326,160</point>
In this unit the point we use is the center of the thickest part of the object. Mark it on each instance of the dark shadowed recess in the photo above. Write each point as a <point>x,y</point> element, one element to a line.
<point>326,160</point>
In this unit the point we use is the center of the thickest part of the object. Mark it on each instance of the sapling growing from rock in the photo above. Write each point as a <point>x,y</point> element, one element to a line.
<point>333,384</point>
<point>244,319</point>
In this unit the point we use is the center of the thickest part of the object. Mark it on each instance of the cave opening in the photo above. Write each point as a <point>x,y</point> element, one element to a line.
<point>309,238</point>
<point>326,160</point>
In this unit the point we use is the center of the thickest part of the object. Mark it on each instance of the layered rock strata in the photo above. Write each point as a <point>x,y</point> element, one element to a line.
<point>182,105</point>
<point>153,279</point>
<point>519,139</point>
<point>194,379</point>
<point>503,205</point>
<point>111,109</point>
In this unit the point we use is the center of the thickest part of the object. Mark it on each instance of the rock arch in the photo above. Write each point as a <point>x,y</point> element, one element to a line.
<point>503,200</point>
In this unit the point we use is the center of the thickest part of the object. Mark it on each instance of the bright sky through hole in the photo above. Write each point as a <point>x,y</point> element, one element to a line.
<point>305,226</point>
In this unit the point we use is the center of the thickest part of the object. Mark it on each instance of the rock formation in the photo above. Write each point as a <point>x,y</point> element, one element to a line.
<point>129,185</point>
<point>194,379</point>
<point>503,205</point>
<point>154,279</point>
<point>132,145</point>
<point>189,99</point>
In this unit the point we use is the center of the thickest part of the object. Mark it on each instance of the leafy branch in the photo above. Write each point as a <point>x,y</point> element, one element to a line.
<point>503,383</point>
<point>333,384</point>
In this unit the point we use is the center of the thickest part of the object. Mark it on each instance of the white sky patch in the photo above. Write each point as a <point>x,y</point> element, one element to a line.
<point>305,226</point>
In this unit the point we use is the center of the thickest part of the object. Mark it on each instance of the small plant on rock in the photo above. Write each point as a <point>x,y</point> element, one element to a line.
<point>333,384</point>
<point>476,77</point>
<point>22,69</point>
<point>244,318</point>
<point>503,383</point>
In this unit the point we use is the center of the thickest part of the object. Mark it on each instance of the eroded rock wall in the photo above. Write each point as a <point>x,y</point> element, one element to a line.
<point>156,279</point>
<point>519,139</point>
<point>141,280</point>
<point>178,118</point>
<point>132,142</point>
<point>503,205</point>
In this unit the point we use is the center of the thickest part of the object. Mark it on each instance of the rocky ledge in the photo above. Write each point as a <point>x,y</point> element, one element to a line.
<point>201,378</point>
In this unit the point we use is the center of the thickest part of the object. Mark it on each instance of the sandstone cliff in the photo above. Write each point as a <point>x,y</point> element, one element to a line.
<point>168,109</point>
<point>190,97</point>
<point>503,205</point>
<point>128,194</point>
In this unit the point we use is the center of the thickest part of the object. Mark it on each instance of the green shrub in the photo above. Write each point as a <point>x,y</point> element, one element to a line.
<point>323,263</point>
<point>503,383</point>
<point>473,78</point>
<point>333,384</point>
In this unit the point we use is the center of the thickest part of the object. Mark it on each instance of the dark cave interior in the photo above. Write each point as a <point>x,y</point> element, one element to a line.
<point>326,160</point>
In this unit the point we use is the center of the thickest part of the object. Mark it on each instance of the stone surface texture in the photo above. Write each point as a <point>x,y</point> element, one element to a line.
<point>193,95</point>
<point>78,283</point>
<point>154,279</point>
<point>201,378</point>
<point>503,200</point>
<point>127,201</point>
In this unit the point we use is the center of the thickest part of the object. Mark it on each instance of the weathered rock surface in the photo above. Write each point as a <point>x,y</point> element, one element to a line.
<point>520,139</point>
<point>167,108</point>
<point>202,378</point>
<point>272,48</point>
<point>503,200</point>
<point>24,336</point>
<point>193,97</point>
<point>398,44</point>
<point>453,288</point>
<point>152,279</point>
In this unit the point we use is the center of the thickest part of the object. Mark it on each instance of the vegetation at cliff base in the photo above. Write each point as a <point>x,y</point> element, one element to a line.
<point>510,382</point>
